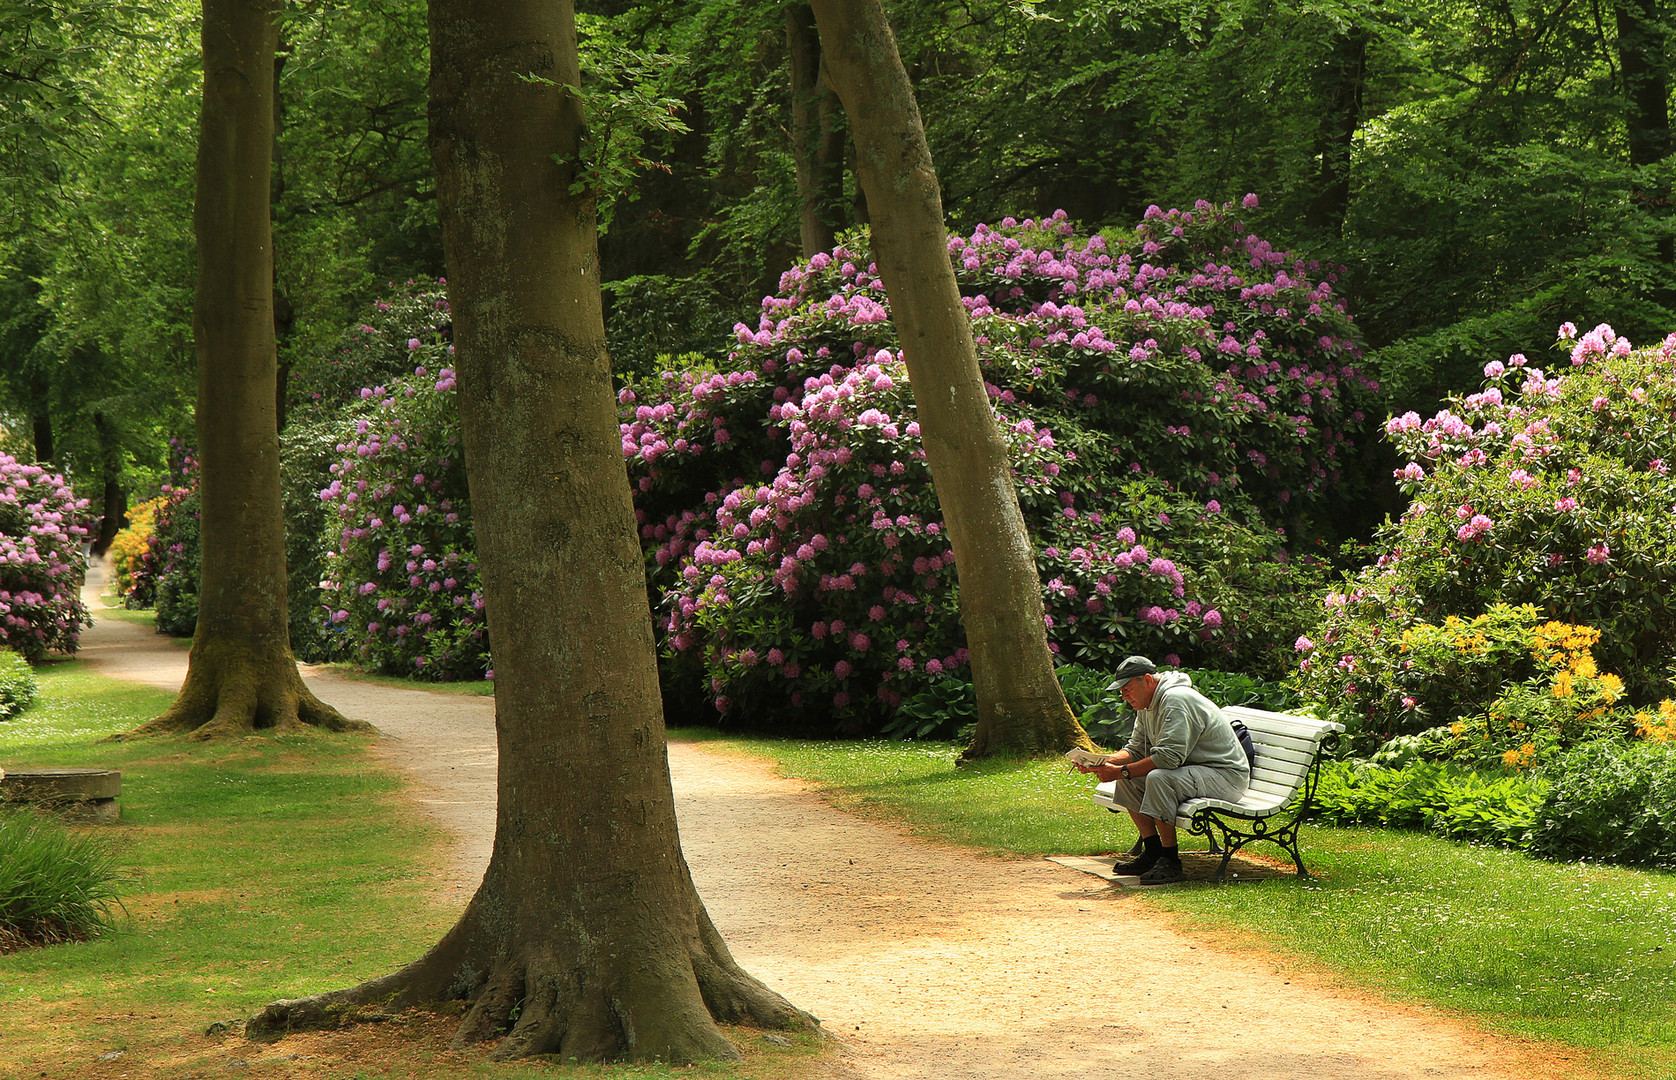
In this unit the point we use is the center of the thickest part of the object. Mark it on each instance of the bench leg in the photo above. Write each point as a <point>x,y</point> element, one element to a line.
<point>1285,838</point>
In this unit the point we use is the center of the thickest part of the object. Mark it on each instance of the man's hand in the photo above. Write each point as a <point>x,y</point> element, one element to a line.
<point>1111,769</point>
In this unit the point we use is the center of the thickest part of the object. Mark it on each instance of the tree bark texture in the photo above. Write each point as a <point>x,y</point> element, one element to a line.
<point>818,140</point>
<point>586,938</point>
<point>1021,708</point>
<point>242,675</point>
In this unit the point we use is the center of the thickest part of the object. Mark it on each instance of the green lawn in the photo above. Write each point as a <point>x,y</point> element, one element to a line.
<point>253,870</point>
<point>1578,954</point>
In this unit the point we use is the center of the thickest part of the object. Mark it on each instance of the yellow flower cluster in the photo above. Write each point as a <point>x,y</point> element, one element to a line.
<point>1565,645</point>
<point>1522,758</point>
<point>1659,728</point>
<point>131,543</point>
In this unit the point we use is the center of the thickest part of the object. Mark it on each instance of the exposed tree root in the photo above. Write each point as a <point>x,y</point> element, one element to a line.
<point>231,691</point>
<point>530,1000</point>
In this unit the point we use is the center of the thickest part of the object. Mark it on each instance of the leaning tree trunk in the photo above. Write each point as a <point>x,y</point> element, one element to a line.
<point>241,674</point>
<point>1020,706</point>
<point>818,142</point>
<point>586,938</point>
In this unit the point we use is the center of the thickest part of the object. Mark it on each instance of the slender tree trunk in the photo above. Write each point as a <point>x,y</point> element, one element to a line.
<point>1020,706</point>
<point>586,938</point>
<point>1641,49</point>
<point>1343,80</point>
<point>114,505</point>
<point>818,140</point>
<point>40,414</point>
<point>241,674</point>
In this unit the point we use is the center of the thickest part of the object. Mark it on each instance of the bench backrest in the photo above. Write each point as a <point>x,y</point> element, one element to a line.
<point>1287,746</point>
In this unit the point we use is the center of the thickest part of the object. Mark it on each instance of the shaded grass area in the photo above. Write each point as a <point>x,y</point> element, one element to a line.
<point>1578,954</point>
<point>252,870</point>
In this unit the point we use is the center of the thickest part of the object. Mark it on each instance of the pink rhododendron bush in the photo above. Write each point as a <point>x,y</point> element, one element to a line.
<point>1182,403</point>
<point>1543,511</point>
<point>401,588</point>
<point>41,562</point>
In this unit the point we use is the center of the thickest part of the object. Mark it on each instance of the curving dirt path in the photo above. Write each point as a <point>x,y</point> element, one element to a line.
<point>927,961</point>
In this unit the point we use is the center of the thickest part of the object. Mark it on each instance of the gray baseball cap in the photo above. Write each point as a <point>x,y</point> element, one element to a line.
<point>1132,668</point>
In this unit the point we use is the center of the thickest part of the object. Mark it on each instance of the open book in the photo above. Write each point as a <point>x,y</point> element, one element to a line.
<point>1076,755</point>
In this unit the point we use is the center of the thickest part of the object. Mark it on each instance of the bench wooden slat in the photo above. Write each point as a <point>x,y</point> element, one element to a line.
<point>1287,761</point>
<point>1286,745</point>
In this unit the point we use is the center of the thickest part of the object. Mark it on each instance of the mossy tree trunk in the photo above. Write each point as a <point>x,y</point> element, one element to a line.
<point>1021,709</point>
<point>586,938</point>
<point>241,675</point>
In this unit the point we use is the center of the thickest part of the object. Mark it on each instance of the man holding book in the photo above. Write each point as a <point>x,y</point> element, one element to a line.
<point>1183,747</point>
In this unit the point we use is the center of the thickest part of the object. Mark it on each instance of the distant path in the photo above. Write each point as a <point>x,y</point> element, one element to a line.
<point>926,961</point>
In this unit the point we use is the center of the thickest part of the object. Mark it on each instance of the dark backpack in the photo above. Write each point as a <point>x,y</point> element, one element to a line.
<point>1246,744</point>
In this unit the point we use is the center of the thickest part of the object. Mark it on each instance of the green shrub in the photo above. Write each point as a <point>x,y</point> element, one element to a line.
<point>17,684</point>
<point>55,885</point>
<point>1543,497</point>
<point>1462,804</point>
<point>305,454</point>
<point>178,548</point>
<point>1611,801</point>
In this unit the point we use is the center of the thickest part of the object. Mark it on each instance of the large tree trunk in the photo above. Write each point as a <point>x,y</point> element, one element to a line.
<point>1641,48</point>
<point>1020,706</point>
<point>241,674</point>
<point>586,938</point>
<point>818,141</point>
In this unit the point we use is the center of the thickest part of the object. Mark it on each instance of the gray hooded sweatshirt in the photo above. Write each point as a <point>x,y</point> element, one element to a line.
<point>1183,727</point>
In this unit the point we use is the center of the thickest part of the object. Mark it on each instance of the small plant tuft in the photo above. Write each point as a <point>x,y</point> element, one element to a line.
<point>55,885</point>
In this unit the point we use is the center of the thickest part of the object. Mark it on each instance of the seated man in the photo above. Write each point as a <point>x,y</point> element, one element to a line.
<point>1183,747</point>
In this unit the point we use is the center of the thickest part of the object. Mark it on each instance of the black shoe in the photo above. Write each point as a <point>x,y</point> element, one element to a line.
<point>1140,864</point>
<point>1165,871</point>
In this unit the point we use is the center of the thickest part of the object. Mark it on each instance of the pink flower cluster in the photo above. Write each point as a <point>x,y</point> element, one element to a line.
<point>41,561</point>
<point>401,591</point>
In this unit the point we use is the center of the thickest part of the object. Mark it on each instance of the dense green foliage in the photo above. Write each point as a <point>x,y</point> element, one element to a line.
<point>1458,803</point>
<point>18,685</point>
<point>1610,801</point>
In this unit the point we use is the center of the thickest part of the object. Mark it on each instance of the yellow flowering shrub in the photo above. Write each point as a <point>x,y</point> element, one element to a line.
<point>130,545</point>
<point>1658,726</point>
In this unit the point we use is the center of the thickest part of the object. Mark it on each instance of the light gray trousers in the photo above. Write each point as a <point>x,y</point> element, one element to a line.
<point>1159,792</point>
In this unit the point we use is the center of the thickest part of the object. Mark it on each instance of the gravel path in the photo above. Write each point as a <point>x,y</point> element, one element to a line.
<point>927,961</point>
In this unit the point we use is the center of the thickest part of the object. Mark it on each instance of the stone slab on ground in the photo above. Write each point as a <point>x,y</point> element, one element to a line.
<point>1198,868</point>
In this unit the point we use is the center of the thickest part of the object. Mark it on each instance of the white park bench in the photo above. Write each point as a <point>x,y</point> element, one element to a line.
<point>1282,786</point>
